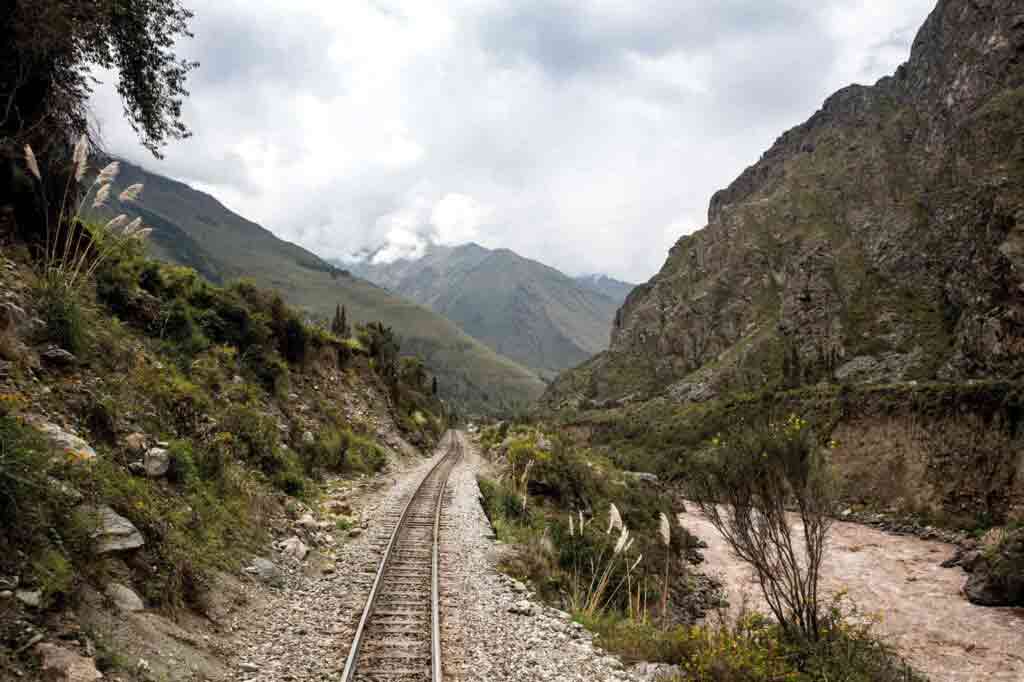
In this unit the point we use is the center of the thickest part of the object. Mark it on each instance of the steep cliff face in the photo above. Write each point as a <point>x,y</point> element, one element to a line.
<point>882,240</point>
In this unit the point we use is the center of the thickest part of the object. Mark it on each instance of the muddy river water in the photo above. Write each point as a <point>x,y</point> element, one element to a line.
<point>898,578</point>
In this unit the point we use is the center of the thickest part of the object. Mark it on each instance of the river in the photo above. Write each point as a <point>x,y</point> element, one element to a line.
<point>923,613</point>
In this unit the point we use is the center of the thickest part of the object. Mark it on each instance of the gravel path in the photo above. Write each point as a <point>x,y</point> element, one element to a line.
<point>899,578</point>
<point>491,629</point>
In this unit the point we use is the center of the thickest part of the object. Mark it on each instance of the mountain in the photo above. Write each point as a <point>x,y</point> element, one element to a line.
<point>881,241</point>
<point>194,229</point>
<point>614,289</point>
<point>518,307</point>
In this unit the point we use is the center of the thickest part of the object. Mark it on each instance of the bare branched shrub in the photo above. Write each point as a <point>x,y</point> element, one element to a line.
<point>766,489</point>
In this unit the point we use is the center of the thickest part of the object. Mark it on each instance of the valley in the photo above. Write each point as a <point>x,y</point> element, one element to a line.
<point>795,452</point>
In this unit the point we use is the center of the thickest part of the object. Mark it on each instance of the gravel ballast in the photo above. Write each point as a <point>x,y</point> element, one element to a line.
<point>491,627</point>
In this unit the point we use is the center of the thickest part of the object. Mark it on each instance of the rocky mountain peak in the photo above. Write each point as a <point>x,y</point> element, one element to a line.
<point>881,240</point>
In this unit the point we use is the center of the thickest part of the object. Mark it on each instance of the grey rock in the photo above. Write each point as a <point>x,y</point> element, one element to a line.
<point>57,357</point>
<point>124,598</point>
<point>641,476</point>
<point>114,533</point>
<point>266,571</point>
<point>522,608</point>
<point>63,441</point>
<point>355,532</point>
<point>31,598</point>
<point>62,665</point>
<point>308,438</point>
<point>135,442</point>
<point>11,315</point>
<point>157,462</point>
<point>294,548</point>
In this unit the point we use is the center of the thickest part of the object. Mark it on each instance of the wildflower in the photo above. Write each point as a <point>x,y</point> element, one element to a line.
<point>33,165</point>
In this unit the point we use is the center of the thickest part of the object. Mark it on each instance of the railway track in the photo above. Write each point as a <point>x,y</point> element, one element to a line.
<point>398,637</point>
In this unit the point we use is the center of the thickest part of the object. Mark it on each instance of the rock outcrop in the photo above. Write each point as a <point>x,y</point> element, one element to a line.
<point>881,241</point>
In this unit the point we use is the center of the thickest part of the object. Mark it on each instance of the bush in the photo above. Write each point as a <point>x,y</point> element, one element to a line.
<point>746,486</point>
<point>343,452</point>
<point>752,648</point>
<point>62,312</point>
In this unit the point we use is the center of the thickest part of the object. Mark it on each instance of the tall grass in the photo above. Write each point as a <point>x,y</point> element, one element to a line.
<point>75,247</point>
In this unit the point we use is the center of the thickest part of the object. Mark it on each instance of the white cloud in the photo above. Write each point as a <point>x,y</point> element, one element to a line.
<point>588,136</point>
<point>456,219</point>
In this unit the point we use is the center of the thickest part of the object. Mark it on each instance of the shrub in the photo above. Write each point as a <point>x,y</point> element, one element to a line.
<point>746,486</point>
<point>341,451</point>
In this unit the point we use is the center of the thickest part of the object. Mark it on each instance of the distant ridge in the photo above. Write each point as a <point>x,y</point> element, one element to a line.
<point>518,307</point>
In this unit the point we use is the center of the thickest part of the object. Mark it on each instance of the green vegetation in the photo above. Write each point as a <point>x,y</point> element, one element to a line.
<point>753,649</point>
<point>561,506</point>
<point>217,372</point>
<point>968,430</point>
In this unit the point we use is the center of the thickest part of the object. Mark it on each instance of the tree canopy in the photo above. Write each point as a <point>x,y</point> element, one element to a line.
<point>51,48</point>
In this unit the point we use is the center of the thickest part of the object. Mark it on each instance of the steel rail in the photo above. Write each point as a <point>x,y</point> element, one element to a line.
<point>357,641</point>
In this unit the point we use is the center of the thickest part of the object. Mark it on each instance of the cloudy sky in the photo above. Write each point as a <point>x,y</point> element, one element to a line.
<point>588,135</point>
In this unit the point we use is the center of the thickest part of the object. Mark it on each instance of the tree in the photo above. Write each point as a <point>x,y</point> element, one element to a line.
<point>746,486</point>
<point>339,325</point>
<point>50,48</point>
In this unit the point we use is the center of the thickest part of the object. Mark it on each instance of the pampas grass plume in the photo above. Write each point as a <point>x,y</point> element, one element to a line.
<point>614,519</point>
<point>666,530</point>
<point>131,193</point>
<point>80,157</point>
<point>102,194</point>
<point>109,172</point>
<point>117,222</point>
<point>33,165</point>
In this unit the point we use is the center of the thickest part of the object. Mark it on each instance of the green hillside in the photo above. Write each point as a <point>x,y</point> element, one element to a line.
<point>194,229</point>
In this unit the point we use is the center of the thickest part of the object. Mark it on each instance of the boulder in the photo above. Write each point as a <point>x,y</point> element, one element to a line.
<point>266,571</point>
<point>135,442</point>
<point>11,316</point>
<point>156,461</point>
<point>62,665</point>
<point>294,548</point>
<point>997,578</point>
<point>113,532</point>
<point>54,356</point>
<point>124,598</point>
<point>522,608</point>
<point>30,598</point>
<point>308,522</point>
<point>63,441</point>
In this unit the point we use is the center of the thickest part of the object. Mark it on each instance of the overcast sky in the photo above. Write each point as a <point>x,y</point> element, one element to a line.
<point>587,135</point>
